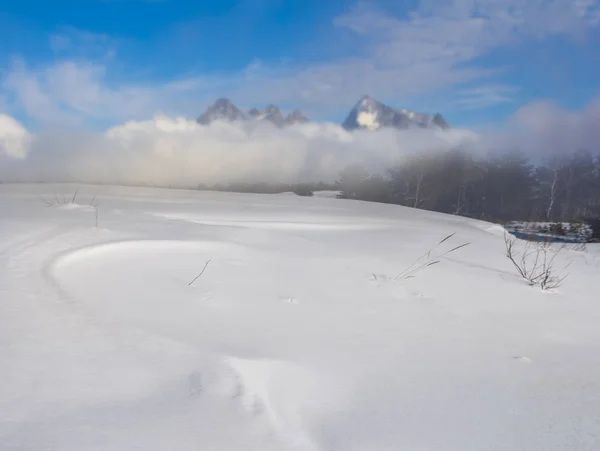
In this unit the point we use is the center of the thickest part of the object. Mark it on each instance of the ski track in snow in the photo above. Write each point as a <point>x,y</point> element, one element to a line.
<point>295,337</point>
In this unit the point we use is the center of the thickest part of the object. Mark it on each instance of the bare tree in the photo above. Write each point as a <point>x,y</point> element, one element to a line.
<point>553,194</point>
<point>418,201</point>
<point>566,181</point>
<point>413,181</point>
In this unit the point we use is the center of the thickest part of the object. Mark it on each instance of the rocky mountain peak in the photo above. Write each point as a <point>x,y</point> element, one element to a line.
<point>367,114</point>
<point>296,117</point>
<point>254,113</point>
<point>222,109</point>
<point>370,114</point>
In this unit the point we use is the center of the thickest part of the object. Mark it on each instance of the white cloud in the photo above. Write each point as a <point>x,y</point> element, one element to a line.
<point>485,96</point>
<point>547,130</point>
<point>30,95</point>
<point>14,139</point>
<point>71,92</point>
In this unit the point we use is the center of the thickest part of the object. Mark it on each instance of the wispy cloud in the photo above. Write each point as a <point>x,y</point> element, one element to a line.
<point>77,92</point>
<point>71,92</point>
<point>73,41</point>
<point>437,47</point>
<point>485,96</point>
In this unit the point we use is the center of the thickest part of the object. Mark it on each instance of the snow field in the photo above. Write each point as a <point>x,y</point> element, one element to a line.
<point>297,335</point>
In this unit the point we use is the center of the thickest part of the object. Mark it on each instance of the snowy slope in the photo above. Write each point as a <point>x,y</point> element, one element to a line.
<point>295,337</point>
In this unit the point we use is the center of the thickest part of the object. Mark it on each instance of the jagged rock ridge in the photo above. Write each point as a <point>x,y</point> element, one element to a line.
<point>367,114</point>
<point>223,109</point>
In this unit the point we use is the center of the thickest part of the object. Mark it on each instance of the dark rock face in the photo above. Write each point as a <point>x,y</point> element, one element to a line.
<point>440,121</point>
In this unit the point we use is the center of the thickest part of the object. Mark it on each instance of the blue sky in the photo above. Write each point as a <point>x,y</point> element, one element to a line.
<point>93,63</point>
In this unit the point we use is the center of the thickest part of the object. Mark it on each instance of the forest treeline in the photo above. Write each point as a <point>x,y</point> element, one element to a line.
<point>503,188</point>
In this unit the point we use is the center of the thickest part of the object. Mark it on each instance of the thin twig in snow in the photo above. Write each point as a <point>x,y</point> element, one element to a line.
<point>201,272</point>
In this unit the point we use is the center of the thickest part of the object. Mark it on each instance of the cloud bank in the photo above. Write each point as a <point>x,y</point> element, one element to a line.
<point>15,141</point>
<point>169,151</point>
<point>545,129</point>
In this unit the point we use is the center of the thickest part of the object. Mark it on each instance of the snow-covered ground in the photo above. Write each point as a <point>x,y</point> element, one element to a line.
<point>295,337</point>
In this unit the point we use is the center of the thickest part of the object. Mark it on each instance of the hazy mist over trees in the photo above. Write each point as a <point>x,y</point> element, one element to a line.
<point>501,188</point>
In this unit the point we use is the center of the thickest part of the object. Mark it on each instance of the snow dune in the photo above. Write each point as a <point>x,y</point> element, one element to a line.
<point>296,336</point>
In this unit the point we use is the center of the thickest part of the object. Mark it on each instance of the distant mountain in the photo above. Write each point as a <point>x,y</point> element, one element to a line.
<point>271,114</point>
<point>224,109</point>
<point>296,117</point>
<point>254,113</point>
<point>439,120</point>
<point>369,114</point>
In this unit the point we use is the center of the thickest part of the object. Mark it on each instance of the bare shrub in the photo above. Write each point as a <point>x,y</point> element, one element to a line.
<point>430,258</point>
<point>535,263</point>
<point>58,201</point>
